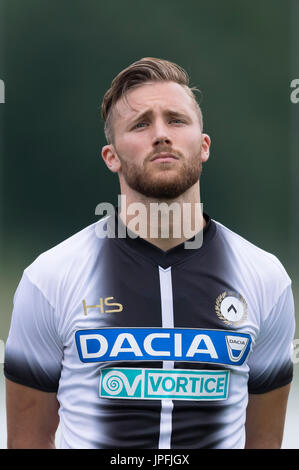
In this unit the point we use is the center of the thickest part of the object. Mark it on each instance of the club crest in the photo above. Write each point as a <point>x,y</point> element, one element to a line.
<point>231,308</point>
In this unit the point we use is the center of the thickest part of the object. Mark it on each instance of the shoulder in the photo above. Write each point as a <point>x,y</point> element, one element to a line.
<point>63,263</point>
<point>260,268</point>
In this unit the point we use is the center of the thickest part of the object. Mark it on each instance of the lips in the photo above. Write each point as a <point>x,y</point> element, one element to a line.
<point>164,157</point>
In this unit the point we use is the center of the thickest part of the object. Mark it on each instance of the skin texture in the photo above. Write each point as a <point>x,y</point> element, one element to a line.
<point>32,415</point>
<point>265,419</point>
<point>137,141</point>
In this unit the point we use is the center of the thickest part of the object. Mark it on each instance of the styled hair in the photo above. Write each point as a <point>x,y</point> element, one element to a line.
<point>148,69</point>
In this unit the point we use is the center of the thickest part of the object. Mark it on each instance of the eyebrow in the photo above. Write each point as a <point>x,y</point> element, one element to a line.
<point>148,113</point>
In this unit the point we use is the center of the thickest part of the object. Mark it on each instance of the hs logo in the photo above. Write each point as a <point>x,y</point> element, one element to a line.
<point>103,304</point>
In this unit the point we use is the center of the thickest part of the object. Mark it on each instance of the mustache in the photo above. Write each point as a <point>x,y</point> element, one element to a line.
<point>163,150</point>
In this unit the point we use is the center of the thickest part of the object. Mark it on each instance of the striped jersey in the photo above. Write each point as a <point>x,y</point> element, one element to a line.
<point>152,349</point>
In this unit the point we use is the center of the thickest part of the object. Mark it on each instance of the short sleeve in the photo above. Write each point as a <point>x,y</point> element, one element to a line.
<point>270,361</point>
<point>33,351</point>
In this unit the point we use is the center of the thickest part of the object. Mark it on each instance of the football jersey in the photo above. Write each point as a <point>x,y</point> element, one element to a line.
<point>152,349</point>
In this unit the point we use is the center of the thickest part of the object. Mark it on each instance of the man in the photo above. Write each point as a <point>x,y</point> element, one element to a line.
<point>146,341</point>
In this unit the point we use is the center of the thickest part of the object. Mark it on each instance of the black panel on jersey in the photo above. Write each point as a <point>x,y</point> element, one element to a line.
<point>196,285</point>
<point>279,378</point>
<point>134,283</point>
<point>18,370</point>
<point>154,254</point>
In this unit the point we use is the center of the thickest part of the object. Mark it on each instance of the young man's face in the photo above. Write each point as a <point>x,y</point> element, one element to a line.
<point>158,144</point>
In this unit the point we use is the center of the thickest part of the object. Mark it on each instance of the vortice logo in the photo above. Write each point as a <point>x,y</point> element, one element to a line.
<point>2,92</point>
<point>156,384</point>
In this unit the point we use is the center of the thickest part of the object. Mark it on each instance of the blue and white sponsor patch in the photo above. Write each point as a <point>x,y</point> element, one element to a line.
<point>158,384</point>
<point>160,344</point>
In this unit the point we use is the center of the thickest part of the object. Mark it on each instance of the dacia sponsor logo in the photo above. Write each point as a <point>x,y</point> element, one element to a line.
<point>160,344</point>
<point>157,384</point>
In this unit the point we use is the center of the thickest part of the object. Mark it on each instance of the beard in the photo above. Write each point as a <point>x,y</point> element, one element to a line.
<point>164,181</point>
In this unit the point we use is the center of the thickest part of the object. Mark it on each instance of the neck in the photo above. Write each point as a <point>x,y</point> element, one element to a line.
<point>164,223</point>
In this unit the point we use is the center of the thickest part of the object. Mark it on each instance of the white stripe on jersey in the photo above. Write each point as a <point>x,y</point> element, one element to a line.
<point>167,322</point>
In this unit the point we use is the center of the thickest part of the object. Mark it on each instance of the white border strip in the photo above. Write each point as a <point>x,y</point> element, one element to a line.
<point>167,322</point>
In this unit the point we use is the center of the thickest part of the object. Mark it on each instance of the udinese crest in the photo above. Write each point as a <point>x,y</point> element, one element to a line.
<point>231,308</point>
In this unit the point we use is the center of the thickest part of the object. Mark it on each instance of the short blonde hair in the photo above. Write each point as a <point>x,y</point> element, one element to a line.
<point>148,69</point>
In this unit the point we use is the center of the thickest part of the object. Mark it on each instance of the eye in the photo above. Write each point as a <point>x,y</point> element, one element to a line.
<point>139,124</point>
<point>177,120</point>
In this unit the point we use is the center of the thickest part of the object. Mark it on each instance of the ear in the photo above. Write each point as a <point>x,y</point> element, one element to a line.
<point>111,159</point>
<point>205,148</point>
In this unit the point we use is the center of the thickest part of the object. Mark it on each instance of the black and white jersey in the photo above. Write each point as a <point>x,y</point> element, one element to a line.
<point>152,349</point>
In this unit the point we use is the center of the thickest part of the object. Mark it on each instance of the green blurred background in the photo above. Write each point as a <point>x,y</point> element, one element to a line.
<point>57,59</point>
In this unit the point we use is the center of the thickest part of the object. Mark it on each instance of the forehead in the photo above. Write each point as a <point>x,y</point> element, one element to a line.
<point>155,97</point>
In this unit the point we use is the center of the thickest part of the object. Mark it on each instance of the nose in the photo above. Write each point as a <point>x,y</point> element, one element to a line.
<point>161,140</point>
<point>161,134</point>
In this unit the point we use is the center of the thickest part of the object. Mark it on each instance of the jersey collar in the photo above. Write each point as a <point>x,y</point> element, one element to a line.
<point>163,258</point>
